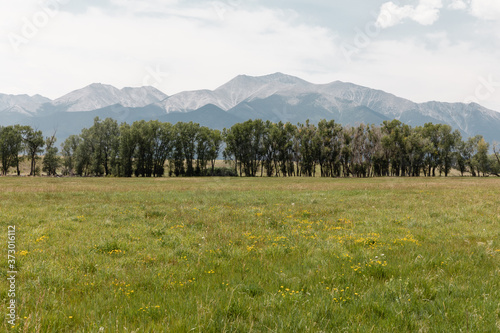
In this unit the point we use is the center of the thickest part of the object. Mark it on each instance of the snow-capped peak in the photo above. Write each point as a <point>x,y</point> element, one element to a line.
<point>236,91</point>
<point>97,96</point>
<point>21,103</point>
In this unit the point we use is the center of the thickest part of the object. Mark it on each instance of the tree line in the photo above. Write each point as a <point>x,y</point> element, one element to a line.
<point>252,148</point>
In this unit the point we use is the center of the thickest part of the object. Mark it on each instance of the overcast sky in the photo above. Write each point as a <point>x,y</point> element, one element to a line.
<point>446,50</point>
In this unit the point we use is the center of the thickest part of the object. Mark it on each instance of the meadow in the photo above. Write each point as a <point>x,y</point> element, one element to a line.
<point>253,255</point>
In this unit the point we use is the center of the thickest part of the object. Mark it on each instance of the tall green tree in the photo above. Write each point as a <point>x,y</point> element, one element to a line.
<point>34,144</point>
<point>163,140</point>
<point>496,160</point>
<point>448,143</point>
<point>68,151</point>
<point>127,146</point>
<point>394,142</point>
<point>461,157</point>
<point>204,151</point>
<point>481,157</point>
<point>11,145</point>
<point>184,152</point>
<point>144,134</point>
<point>104,142</point>
<point>309,148</point>
<point>329,144</point>
<point>471,150</point>
<point>234,147</point>
<point>51,161</point>
<point>214,147</point>
<point>84,155</point>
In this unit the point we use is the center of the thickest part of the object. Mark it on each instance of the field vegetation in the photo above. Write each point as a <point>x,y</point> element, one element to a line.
<point>253,254</point>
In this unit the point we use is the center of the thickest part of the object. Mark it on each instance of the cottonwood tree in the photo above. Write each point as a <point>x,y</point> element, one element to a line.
<point>95,151</point>
<point>432,156</point>
<point>11,145</point>
<point>380,163</point>
<point>104,140</point>
<point>33,143</point>
<point>51,161</point>
<point>127,146</point>
<point>361,152</point>
<point>461,157</point>
<point>84,154</point>
<point>308,148</point>
<point>68,150</point>
<point>269,149</point>
<point>471,150</point>
<point>184,148</point>
<point>143,134</point>
<point>448,142</point>
<point>346,152</point>
<point>232,151</point>
<point>395,142</point>
<point>329,144</point>
<point>496,157</point>
<point>163,134</point>
<point>149,146</point>
<point>286,136</point>
<point>244,144</point>
<point>257,131</point>
<point>481,157</point>
<point>215,142</point>
<point>205,150</point>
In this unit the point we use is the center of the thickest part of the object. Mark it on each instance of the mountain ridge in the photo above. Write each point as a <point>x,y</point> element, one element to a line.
<point>275,97</point>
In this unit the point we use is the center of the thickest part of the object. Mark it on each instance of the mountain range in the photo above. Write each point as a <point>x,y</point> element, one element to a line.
<point>272,97</point>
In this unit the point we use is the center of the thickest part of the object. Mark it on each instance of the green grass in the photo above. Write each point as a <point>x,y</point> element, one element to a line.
<point>253,255</point>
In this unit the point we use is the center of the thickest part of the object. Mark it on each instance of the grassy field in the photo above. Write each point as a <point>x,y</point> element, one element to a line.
<point>253,255</point>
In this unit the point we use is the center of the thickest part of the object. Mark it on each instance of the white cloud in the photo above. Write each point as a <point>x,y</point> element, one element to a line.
<point>485,9</point>
<point>425,13</point>
<point>391,14</point>
<point>482,9</point>
<point>457,4</point>
<point>195,45</point>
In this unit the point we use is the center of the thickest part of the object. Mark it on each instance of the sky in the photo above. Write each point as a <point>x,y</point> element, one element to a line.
<point>422,50</point>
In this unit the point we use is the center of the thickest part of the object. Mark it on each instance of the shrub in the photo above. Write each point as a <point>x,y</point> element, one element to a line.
<point>220,172</point>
